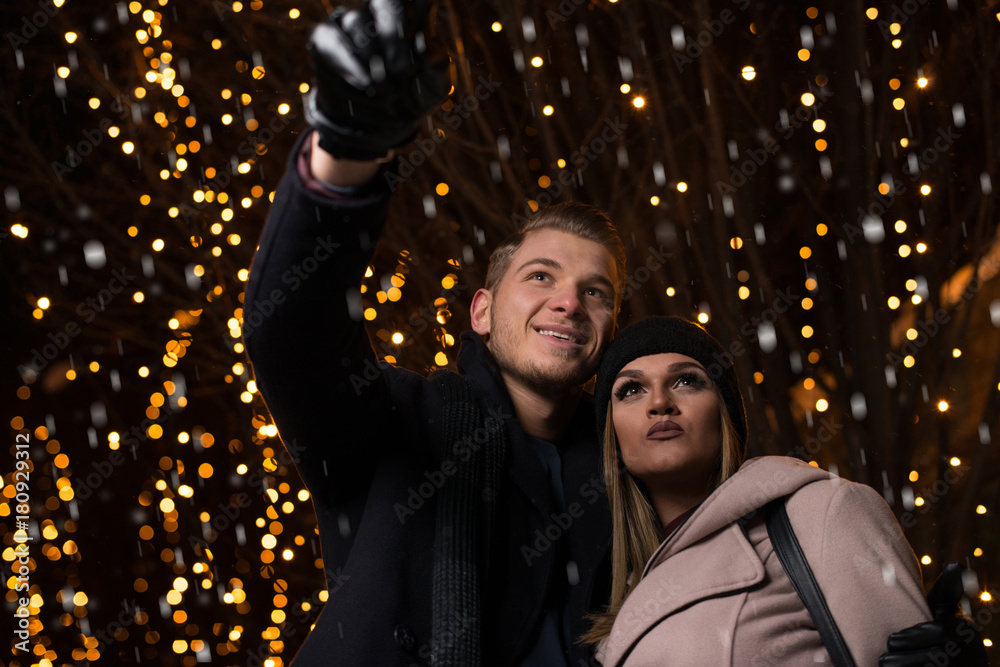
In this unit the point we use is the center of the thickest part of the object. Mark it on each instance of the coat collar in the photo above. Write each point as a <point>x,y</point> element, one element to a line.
<point>759,480</point>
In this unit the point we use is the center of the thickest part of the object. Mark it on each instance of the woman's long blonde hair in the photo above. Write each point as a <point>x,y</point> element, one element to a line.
<point>636,529</point>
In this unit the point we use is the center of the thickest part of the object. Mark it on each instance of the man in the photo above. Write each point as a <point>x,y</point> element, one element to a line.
<point>462,517</point>
<point>421,563</point>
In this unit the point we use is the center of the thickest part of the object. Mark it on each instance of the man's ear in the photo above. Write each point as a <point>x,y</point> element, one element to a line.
<point>479,311</point>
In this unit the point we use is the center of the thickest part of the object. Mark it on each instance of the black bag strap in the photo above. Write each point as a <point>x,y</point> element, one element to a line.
<point>789,552</point>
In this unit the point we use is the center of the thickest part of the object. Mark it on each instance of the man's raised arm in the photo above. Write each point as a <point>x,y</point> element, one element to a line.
<point>302,320</point>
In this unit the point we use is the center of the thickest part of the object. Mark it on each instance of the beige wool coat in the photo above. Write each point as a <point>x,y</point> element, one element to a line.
<point>715,595</point>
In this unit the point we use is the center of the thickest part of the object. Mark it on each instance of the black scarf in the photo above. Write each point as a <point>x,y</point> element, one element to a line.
<point>465,520</point>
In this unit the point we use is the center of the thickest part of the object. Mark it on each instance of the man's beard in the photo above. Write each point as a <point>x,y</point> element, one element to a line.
<point>552,380</point>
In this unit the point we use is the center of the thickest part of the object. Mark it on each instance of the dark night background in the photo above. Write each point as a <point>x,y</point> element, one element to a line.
<point>816,182</point>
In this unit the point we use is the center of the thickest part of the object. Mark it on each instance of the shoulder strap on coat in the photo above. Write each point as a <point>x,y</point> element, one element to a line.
<point>792,558</point>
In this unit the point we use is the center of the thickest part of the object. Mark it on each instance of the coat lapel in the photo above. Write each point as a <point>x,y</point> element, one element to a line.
<point>725,563</point>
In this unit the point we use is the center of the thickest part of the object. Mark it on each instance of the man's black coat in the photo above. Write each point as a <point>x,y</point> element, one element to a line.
<point>361,435</point>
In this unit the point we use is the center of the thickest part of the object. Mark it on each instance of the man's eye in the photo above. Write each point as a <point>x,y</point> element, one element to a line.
<point>538,276</point>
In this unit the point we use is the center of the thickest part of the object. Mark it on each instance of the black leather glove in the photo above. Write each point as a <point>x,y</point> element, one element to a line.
<point>376,77</point>
<point>949,640</point>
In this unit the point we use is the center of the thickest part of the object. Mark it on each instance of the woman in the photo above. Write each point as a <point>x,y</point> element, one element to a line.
<point>695,580</point>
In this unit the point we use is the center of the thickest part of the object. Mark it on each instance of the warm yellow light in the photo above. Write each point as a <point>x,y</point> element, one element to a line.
<point>809,384</point>
<point>703,318</point>
<point>893,302</point>
<point>979,552</point>
<point>397,338</point>
<point>922,82</point>
<point>804,54</point>
<point>749,73</point>
<point>548,110</point>
<point>956,353</point>
<point>807,331</point>
<point>904,250</point>
<point>654,200</point>
<point>909,361</point>
<point>925,189</point>
<point>980,509</point>
<point>166,505</point>
<point>811,284</point>
<point>921,247</point>
<point>806,303</point>
<point>805,252</point>
<point>896,43</point>
<point>918,501</point>
<point>986,597</point>
<point>808,99</point>
<point>926,560</point>
<point>898,103</point>
<point>287,554</point>
<point>904,142</point>
<point>441,359</point>
<point>537,62</point>
<point>914,476</point>
<point>821,405</point>
<point>625,88</point>
<point>943,406</point>
<point>682,187</point>
<point>819,125</point>
<point>671,291</point>
<point>895,28</point>
<point>871,13</point>
<point>744,292</point>
<point>900,226</point>
<point>497,27</point>
<point>638,102</point>
<point>441,189</point>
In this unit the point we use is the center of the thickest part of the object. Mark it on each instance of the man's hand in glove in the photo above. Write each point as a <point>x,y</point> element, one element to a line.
<point>377,75</point>
<point>950,639</point>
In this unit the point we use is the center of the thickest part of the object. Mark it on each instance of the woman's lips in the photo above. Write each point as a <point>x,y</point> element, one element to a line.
<point>664,430</point>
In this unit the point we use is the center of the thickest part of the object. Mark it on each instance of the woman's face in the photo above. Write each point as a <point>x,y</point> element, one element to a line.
<point>665,412</point>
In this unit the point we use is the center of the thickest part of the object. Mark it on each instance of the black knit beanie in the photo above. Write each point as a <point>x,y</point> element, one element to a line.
<point>658,335</point>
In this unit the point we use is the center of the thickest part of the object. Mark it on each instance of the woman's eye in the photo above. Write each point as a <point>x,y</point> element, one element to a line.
<point>691,380</point>
<point>627,389</point>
